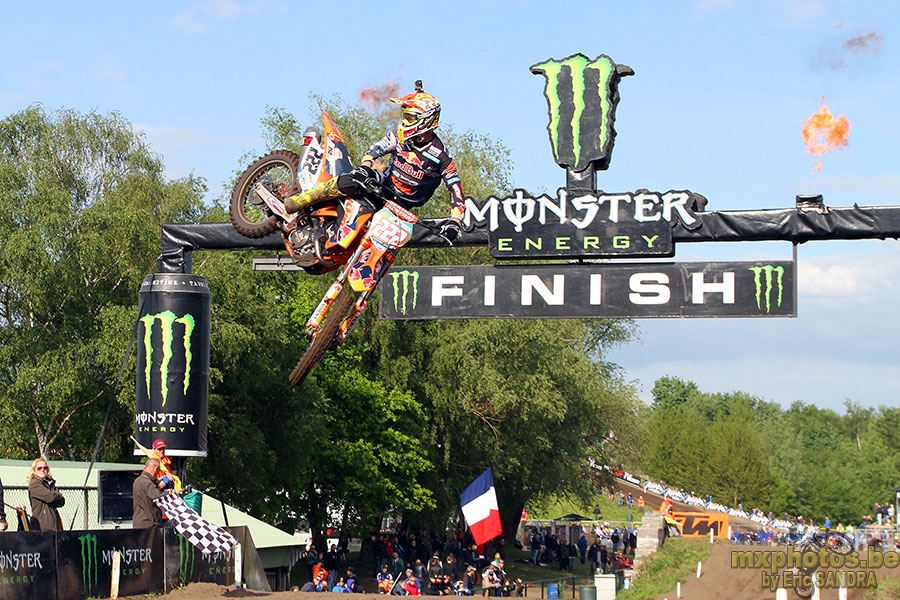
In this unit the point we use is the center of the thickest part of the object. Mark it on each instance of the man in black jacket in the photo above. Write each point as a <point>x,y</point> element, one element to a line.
<point>144,491</point>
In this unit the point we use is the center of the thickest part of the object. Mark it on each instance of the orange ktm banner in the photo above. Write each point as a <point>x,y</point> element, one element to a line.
<point>699,524</point>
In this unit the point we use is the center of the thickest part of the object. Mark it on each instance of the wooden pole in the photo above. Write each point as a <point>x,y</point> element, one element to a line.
<point>116,568</point>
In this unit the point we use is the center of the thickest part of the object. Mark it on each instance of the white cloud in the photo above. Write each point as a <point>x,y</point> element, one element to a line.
<point>196,17</point>
<point>859,279</point>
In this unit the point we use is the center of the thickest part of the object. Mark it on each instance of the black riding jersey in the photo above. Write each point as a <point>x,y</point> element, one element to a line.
<point>414,172</point>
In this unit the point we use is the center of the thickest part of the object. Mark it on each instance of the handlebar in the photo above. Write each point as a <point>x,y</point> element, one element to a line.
<point>376,190</point>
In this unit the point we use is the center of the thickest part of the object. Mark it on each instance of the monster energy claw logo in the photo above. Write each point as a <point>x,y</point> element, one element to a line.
<point>581,97</point>
<point>167,320</point>
<point>766,293</point>
<point>89,572</point>
<point>401,297</point>
<point>186,558</point>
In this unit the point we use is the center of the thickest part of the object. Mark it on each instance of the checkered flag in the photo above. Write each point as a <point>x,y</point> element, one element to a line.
<point>205,536</point>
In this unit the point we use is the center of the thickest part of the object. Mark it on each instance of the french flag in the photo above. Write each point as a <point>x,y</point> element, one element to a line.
<point>479,507</point>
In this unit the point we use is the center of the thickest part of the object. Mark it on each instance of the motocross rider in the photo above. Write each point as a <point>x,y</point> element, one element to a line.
<point>418,162</point>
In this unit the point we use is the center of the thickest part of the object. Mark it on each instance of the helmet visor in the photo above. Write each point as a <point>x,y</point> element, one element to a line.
<point>409,117</point>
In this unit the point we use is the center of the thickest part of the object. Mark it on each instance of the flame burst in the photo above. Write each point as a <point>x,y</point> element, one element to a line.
<point>823,132</point>
<point>378,95</point>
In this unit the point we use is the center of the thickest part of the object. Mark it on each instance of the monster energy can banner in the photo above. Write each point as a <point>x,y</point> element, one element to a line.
<point>172,382</point>
<point>693,289</point>
<point>28,566</point>
<point>84,562</point>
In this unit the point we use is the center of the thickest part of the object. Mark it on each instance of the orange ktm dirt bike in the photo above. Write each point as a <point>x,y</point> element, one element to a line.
<point>257,202</point>
<point>323,237</point>
<point>341,308</point>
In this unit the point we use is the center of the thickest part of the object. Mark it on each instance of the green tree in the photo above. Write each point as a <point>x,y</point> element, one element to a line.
<point>81,201</point>
<point>738,465</point>
<point>676,448</point>
<point>671,391</point>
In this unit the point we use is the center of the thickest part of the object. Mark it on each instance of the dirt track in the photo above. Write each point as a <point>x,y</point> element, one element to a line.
<point>719,580</point>
<point>202,591</point>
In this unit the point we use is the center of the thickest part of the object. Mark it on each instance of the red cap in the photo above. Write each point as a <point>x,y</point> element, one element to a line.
<point>158,444</point>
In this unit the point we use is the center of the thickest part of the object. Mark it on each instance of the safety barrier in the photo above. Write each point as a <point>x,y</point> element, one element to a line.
<point>73,565</point>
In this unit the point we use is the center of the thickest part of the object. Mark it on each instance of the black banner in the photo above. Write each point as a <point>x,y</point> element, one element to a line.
<point>172,382</point>
<point>186,564</point>
<point>74,565</point>
<point>692,289</point>
<point>28,565</point>
<point>84,567</point>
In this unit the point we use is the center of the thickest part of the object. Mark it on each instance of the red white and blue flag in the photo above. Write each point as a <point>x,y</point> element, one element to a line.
<point>479,507</point>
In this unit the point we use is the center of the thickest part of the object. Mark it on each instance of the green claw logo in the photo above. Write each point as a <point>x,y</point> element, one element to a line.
<point>186,558</point>
<point>770,283</point>
<point>400,297</point>
<point>89,571</point>
<point>167,321</point>
<point>582,96</point>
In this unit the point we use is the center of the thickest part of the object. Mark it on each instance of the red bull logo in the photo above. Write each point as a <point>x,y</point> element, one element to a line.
<point>410,170</point>
<point>413,159</point>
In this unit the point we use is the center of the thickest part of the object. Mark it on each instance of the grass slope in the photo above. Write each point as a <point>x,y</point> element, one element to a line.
<point>674,562</point>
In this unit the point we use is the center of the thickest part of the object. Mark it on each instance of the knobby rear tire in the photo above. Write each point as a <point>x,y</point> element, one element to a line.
<point>324,337</point>
<point>244,187</point>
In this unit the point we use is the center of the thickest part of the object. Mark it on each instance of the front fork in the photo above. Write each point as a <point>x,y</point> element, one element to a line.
<point>361,303</point>
<point>333,292</point>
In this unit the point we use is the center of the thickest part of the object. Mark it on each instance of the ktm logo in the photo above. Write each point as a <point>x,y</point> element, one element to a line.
<point>700,524</point>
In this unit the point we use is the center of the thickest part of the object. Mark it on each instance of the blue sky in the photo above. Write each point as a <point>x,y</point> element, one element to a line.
<point>720,90</point>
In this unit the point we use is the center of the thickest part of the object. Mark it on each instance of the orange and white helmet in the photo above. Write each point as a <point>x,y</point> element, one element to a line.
<point>419,112</point>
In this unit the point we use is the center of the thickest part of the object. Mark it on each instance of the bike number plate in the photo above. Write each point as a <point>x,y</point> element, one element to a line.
<point>310,165</point>
<point>390,230</point>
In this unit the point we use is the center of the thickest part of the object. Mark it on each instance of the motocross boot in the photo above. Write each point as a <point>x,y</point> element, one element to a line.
<point>320,193</point>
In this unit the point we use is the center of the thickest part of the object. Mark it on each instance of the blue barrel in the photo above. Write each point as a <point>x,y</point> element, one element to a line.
<point>553,591</point>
